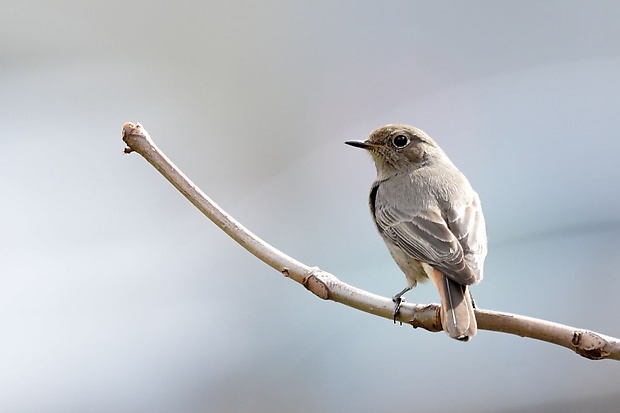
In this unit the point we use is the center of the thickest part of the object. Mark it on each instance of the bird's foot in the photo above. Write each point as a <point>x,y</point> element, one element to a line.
<point>398,301</point>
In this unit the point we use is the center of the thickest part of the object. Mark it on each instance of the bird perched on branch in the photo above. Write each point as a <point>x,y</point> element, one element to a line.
<point>430,219</point>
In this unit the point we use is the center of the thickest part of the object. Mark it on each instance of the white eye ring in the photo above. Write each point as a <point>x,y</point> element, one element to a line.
<point>400,141</point>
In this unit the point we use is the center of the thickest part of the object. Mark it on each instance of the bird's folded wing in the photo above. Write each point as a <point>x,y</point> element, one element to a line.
<point>425,236</point>
<point>468,227</point>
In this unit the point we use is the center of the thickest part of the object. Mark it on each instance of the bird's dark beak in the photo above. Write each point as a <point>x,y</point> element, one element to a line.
<point>359,144</point>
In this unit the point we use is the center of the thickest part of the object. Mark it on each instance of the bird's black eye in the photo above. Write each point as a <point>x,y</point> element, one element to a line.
<point>400,141</point>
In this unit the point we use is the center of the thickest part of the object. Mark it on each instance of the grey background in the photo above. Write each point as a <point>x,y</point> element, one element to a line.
<point>116,295</point>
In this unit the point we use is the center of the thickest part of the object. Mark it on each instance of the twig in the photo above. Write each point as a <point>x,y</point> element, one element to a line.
<point>324,285</point>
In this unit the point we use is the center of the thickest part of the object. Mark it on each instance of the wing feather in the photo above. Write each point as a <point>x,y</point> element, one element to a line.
<point>453,242</point>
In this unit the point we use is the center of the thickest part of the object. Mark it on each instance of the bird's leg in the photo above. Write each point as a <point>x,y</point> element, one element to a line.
<point>398,300</point>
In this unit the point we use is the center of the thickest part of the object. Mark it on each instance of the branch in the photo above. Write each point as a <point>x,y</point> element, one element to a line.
<point>324,285</point>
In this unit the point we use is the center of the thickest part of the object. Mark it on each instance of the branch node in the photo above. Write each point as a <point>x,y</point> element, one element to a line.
<point>590,345</point>
<point>315,283</point>
<point>285,272</point>
<point>423,314</point>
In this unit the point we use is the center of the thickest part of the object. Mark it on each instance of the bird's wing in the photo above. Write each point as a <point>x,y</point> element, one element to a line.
<point>426,236</point>
<point>468,227</point>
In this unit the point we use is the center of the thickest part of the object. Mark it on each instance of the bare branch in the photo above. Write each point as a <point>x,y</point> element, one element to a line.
<point>324,285</point>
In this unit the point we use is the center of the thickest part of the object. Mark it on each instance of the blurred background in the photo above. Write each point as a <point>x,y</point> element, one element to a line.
<point>117,295</point>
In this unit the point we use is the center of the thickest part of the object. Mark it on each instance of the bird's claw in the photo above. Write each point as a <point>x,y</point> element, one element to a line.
<point>397,303</point>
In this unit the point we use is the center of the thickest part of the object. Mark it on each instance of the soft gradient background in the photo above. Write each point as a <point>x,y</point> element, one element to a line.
<point>116,295</point>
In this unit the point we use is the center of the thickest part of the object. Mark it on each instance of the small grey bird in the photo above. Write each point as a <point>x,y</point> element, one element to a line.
<point>430,219</point>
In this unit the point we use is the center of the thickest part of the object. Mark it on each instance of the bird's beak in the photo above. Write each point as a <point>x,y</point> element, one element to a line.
<point>360,144</point>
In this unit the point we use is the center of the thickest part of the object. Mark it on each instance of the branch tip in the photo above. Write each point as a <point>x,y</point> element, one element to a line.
<point>133,133</point>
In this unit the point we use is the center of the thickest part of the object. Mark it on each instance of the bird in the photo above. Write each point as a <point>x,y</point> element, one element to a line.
<point>431,220</point>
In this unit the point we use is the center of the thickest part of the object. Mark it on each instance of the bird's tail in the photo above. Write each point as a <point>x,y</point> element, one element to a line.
<point>457,309</point>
